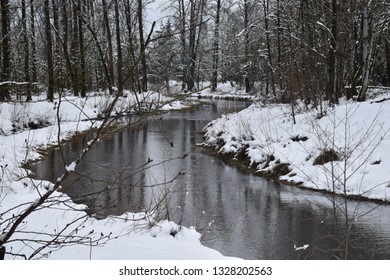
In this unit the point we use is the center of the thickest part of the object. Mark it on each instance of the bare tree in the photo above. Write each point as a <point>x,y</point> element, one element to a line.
<point>6,49</point>
<point>247,9</point>
<point>367,51</point>
<point>144,69</point>
<point>109,40</point>
<point>387,55</point>
<point>83,80</point>
<point>49,52</point>
<point>214,79</point>
<point>33,43</point>
<point>132,75</point>
<point>119,48</point>
<point>26,51</point>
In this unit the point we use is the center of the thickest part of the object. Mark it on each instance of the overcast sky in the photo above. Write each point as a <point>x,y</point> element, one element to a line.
<point>156,12</point>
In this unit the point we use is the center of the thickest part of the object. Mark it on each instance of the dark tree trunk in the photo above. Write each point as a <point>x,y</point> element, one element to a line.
<point>387,50</point>
<point>6,50</point>
<point>2,253</point>
<point>119,49</point>
<point>191,45</point>
<point>73,49</point>
<point>269,47</point>
<point>142,47</point>
<point>366,50</point>
<point>58,82</point>
<point>216,47</point>
<point>184,54</point>
<point>83,81</point>
<point>109,40</point>
<point>332,60</point>
<point>65,48</point>
<point>132,74</point>
<point>32,40</point>
<point>198,56</point>
<point>279,44</point>
<point>247,82</point>
<point>49,52</point>
<point>26,52</point>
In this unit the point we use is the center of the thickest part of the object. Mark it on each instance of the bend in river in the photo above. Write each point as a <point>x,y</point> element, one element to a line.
<point>237,213</point>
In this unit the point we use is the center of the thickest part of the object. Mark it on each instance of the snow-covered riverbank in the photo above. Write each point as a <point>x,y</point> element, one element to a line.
<point>27,128</point>
<point>343,151</point>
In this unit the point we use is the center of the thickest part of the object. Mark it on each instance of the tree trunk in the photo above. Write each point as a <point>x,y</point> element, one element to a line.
<point>83,82</point>
<point>49,52</point>
<point>353,62</point>
<point>33,45</point>
<point>184,54</point>
<point>142,47</point>
<point>366,51</point>
<point>119,49</point>
<point>132,74</point>
<point>2,252</point>
<point>74,49</point>
<point>387,51</point>
<point>26,52</point>
<point>216,47</point>
<point>279,45</point>
<point>65,48</point>
<point>268,40</point>
<point>198,55</point>
<point>6,49</point>
<point>247,82</point>
<point>109,40</point>
<point>58,82</point>
<point>191,46</point>
<point>332,61</point>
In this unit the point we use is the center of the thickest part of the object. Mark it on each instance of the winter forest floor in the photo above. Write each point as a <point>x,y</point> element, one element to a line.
<point>343,151</point>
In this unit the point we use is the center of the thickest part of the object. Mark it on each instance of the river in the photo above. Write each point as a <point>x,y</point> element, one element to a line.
<point>158,166</point>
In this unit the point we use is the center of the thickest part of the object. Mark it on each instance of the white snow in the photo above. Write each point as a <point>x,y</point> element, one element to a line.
<point>71,167</point>
<point>223,90</point>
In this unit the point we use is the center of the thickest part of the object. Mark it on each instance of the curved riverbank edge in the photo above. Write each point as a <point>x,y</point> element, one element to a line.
<point>242,162</point>
<point>342,150</point>
<point>119,123</point>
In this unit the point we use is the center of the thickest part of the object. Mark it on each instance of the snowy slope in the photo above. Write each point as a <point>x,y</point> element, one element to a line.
<point>355,135</point>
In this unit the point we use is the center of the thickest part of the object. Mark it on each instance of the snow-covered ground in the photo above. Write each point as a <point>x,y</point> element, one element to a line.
<point>224,91</point>
<point>26,128</point>
<point>345,150</point>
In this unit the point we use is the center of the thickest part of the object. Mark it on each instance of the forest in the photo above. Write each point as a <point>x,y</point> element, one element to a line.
<point>311,50</point>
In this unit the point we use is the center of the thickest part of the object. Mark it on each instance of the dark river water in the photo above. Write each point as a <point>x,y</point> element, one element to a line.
<point>159,167</point>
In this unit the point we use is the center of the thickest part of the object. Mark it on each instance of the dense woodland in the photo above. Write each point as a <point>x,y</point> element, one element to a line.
<point>288,49</point>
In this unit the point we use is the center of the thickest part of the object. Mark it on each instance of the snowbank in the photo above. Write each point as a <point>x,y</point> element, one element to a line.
<point>223,91</point>
<point>343,151</point>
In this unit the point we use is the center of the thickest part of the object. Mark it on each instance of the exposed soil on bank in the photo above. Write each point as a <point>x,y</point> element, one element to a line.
<point>241,161</point>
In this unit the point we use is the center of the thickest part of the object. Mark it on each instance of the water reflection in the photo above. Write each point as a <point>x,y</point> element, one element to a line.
<point>238,214</point>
